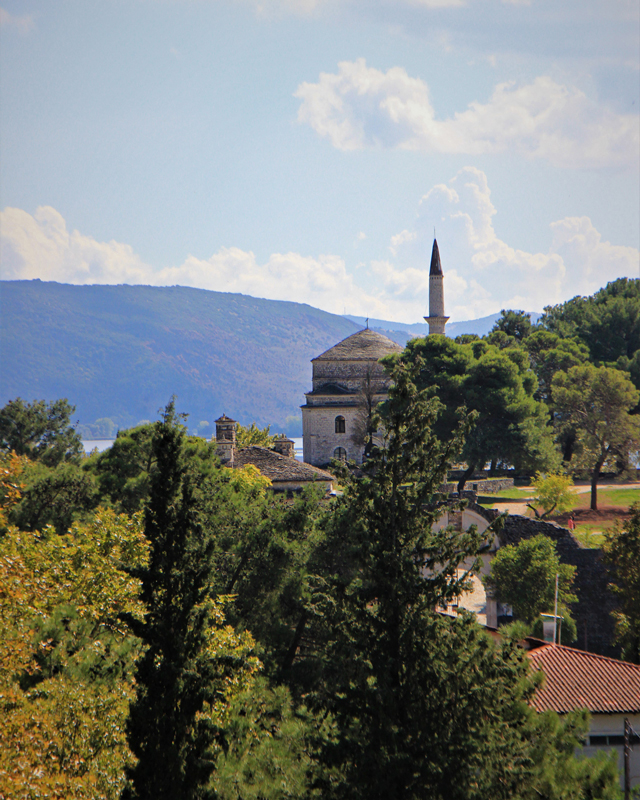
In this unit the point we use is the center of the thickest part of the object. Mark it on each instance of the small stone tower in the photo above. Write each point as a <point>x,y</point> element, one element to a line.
<point>226,440</point>
<point>284,446</point>
<point>436,318</point>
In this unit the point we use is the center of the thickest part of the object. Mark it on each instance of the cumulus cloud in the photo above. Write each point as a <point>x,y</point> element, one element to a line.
<point>482,273</point>
<point>41,246</point>
<point>360,107</point>
<point>23,23</point>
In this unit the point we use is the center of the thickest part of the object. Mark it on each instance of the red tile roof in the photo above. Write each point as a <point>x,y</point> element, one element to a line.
<point>575,679</point>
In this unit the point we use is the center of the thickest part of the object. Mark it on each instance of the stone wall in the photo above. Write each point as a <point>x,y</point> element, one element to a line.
<point>487,486</point>
<point>319,439</point>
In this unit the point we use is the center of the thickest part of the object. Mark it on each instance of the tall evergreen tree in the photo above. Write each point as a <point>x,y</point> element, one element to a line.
<point>179,678</point>
<point>420,702</point>
<point>424,707</point>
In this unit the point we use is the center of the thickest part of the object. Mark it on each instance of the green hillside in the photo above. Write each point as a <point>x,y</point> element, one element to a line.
<point>121,351</point>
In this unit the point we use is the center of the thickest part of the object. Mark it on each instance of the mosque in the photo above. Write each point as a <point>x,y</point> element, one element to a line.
<point>348,382</point>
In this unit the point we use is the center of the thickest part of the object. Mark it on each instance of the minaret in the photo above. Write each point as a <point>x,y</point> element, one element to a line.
<point>436,318</point>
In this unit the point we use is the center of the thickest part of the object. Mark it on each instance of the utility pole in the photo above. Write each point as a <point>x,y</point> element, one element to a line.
<point>627,754</point>
<point>555,614</point>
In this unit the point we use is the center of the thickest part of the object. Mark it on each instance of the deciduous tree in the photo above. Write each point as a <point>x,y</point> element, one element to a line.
<point>553,493</point>
<point>524,577</point>
<point>595,402</point>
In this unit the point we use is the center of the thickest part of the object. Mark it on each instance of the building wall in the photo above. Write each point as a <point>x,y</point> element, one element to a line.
<point>613,725</point>
<point>319,439</point>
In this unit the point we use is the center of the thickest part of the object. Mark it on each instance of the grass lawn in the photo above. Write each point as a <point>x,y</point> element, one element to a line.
<point>624,496</point>
<point>590,534</point>
<point>511,494</point>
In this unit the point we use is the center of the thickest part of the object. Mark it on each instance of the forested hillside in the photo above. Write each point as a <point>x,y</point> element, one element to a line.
<point>120,352</point>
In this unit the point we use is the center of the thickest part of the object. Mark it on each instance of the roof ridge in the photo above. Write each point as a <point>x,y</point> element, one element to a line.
<point>547,646</point>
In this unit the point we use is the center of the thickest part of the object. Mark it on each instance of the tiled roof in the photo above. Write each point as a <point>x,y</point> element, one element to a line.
<point>576,679</point>
<point>365,345</point>
<point>279,468</point>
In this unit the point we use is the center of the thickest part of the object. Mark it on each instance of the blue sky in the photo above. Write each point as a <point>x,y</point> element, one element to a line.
<point>306,149</point>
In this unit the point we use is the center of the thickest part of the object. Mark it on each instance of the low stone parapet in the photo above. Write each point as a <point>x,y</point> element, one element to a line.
<point>485,486</point>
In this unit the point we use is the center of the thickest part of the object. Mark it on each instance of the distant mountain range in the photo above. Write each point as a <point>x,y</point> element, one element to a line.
<point>118,353</point>
<point>401,332</point>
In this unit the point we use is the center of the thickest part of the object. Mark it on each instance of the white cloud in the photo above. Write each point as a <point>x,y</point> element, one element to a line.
<point>23,23</point>
<point>482,273</point>
<point>40,246</point>
<point>360,107</point>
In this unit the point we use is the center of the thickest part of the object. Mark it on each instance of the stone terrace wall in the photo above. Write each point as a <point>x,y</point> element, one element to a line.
<point>592,612</point>
<point>488,486</point>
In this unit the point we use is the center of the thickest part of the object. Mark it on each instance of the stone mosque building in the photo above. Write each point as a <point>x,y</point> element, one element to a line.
<point>348,379</point>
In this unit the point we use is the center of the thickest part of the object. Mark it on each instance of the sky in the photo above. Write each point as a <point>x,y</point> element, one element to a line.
<point>307,150</point>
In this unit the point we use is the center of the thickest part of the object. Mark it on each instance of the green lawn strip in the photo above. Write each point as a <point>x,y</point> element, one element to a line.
<point>622,497</point>
<point>510,494</point>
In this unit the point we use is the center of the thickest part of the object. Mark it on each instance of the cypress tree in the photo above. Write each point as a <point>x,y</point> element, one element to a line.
<point>177,678</point>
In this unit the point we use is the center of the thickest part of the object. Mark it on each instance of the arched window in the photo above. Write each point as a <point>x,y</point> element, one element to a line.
<point>340,427</point>
<point>340,453</point>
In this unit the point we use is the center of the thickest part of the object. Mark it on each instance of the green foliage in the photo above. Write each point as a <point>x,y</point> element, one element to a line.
<point>40,430</point>
<point>192,664</point>
<point>124,470</point>
<point>253,435</point>
<point>594,402</point>
<point>54,496</point>
<point>514,323</point>
<point>511,426</point>
<point>524,577</point>
<point>549,354</point>
<point>622,553</point>
<point>553,493</point>
<point>66,659</point>
<point>608,323</point>
<point>424,706</point>
<point>269,747</point>
<point>558,773</point>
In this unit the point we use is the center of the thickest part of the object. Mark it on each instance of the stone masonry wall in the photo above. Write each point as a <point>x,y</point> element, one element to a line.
<point>319,439</point>
<point>489,486</point>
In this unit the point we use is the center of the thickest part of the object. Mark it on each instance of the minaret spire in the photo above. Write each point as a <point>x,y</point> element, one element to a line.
<point>436,318</point>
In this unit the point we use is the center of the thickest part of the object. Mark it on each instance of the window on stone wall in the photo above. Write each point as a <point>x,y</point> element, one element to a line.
<point>340,453</point>
<point>340,426</point>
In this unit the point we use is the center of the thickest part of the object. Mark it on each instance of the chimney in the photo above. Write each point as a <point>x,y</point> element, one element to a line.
<point>284,446</point>
<point>226,440</point>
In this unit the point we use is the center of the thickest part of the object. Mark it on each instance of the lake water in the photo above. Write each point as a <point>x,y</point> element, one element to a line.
<point>103,444</point>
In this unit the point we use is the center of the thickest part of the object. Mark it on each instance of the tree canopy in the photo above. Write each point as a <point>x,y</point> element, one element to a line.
<point>524,577</point>
<point>40,430</point>
<point>622,552</point>
<point>594,403</point>
<point>511,426</point>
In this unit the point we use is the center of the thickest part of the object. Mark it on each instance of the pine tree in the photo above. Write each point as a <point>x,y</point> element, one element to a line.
<point>424,706</point>
<point>171,730</point>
